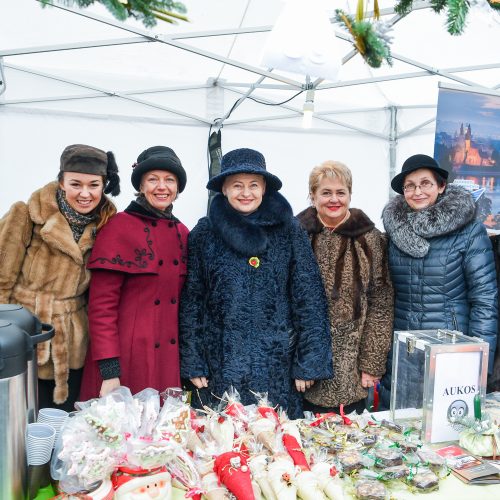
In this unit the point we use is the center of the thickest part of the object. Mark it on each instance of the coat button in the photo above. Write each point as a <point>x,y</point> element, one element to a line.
<point>157,302</point>
<point>170,224</point>
<point>176,262</point>
<point>160,262</point>
<point>157,344</point>
<point>153,223</point>
<point>173,301</point>
<point>172,341</point>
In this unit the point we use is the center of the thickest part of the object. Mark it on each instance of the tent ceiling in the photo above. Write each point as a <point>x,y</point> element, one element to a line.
<point>86,62</point>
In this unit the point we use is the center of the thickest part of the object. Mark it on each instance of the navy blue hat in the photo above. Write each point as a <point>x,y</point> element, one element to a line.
<point>414,163</point>
<point>243,161</point>
<point>158,158</point>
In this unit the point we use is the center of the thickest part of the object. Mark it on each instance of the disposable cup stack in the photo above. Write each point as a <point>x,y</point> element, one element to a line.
<point>39,443</point>
<point>53,417</point>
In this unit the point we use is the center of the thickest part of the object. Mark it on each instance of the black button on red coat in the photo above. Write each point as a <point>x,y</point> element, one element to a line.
<point>153,223</point>
<point>157,302</point>
<point>170,224</point>
<point>173,301</point>
<point>172,341</point>
<point>157,344</point>
<point>176,262</point>
<point>160,262</point>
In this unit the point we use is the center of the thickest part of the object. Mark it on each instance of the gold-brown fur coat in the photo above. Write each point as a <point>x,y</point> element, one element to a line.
<point>353,263</point>
<point>43,268</point>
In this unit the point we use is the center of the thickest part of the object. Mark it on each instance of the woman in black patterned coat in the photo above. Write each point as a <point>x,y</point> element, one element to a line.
<point>253,310</point>
<point>351,254</point>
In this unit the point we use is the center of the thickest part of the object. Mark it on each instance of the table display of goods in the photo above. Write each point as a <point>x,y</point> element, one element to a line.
<point>148,450</point>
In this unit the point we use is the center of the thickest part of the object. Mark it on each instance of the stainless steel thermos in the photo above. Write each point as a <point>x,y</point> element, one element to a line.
<point>20,331</point>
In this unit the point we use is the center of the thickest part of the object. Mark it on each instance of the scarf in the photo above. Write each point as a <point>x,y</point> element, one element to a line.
<point>161,214</point>
<point>77,221</point>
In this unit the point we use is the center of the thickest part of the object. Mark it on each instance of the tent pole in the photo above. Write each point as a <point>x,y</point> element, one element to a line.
<point>393,143</point>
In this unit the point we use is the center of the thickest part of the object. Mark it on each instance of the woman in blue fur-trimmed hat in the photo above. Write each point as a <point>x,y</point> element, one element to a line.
<point>253,311</point>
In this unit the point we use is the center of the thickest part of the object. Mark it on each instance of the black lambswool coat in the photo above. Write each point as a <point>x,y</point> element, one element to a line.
<point>254,327</point>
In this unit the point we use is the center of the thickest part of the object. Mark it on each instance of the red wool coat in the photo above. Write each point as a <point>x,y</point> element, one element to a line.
<point>138,268</point>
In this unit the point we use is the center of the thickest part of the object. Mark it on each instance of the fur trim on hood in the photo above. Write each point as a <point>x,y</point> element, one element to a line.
<point>410,229</point>
<point>247,235</point>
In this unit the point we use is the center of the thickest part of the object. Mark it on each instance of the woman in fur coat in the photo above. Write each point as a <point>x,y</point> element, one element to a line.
<point>253,310</point>
<point>440,258</point>
<point>44,246</point>
<point>138,268</point>
<point>351,254</point>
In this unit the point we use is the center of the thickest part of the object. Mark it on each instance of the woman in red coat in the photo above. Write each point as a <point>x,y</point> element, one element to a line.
<point>138,268</point>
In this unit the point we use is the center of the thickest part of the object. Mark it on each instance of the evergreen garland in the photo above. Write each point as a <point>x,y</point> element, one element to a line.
<point>494,4</point>
<point>456,15</point>
<point>146,11</point>
<point>370,39</point>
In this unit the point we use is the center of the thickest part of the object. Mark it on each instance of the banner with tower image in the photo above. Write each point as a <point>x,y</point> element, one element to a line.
<point>467,144</point>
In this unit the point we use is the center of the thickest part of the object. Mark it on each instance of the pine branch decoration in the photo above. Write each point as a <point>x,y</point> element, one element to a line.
<point>146,11</point>
<point>457,13</point>
<point>371,40</point>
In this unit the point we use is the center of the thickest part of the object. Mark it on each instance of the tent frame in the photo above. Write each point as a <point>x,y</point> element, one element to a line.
<point>280,82</point>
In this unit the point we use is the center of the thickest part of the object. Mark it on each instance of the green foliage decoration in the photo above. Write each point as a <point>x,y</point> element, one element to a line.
<point>146,11</point>
<point>370,39</point>
<point>457,11</point>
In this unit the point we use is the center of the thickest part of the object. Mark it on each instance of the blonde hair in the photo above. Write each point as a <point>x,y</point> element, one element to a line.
<point>332,170</point>
<point>107,211</point>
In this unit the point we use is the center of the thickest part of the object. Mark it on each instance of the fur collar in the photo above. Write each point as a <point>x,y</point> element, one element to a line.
<point>55,230</point>
<point>356,225</point>
<point>247,235</point>
<point>410,229</point>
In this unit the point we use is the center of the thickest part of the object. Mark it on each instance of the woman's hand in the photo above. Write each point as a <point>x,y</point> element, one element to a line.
<point>109,385</point>
<point>302,385</point>
<point>199,382</point>
<point>368,380</point>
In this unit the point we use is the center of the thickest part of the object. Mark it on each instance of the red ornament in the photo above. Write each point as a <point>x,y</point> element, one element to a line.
<point>232,470</point>
<point>295,451</point>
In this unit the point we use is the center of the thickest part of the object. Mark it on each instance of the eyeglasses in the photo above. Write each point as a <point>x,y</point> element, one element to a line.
<point>424,186</point>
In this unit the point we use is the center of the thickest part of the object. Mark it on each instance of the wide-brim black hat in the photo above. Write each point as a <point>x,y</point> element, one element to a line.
<point>158,158</point>
<point>414,163</point>
<point>243,161</point>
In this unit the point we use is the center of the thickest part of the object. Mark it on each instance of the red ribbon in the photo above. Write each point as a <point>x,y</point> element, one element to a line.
<point>321,418</point>
<point>347,421</point>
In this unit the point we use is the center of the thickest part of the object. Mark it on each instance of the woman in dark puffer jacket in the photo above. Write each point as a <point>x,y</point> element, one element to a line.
<point>440,258</point>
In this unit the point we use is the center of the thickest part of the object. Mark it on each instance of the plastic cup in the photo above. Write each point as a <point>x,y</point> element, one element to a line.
<point>39,443</point>
<point>53,417</point>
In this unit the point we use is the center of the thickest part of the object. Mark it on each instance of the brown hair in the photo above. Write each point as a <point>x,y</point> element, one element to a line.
<point>106,207</point>
<point>332,170</point>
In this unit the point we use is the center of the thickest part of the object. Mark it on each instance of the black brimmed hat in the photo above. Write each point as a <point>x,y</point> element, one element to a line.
<point>414,163</point>
<point>158,158</point>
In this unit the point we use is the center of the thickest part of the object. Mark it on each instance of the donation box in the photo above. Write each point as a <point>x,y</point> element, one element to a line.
<point>439,372</point>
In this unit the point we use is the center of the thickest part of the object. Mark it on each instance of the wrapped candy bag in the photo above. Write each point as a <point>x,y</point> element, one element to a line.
<point>147,453</point>
<point>328,479</point>
<point>282,477</point>
<point>174,421</point>
<point>258,467</point>
<point>308,486</point>
<point>184,473</point>
<point>233,406</point>
<point>148,408</point>
<point>221,429</point>
<point>264,431</point>
<point>212,489</point>
<point>233,471</point>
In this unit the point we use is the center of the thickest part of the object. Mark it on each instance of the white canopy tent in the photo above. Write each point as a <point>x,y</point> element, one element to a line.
<point>80,76</point>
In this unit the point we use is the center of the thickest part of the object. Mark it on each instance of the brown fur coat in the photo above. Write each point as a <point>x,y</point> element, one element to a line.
<point>43,268</point>
<point>353,263</point>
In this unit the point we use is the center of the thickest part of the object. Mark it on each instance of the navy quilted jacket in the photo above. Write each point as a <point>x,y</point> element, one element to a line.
<point>442,266</point>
